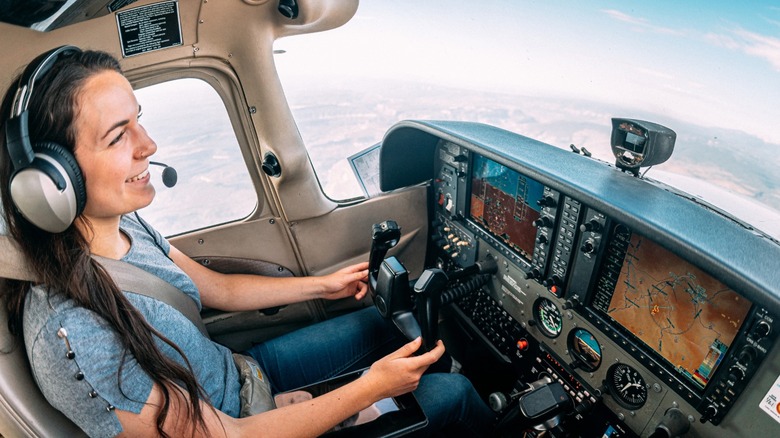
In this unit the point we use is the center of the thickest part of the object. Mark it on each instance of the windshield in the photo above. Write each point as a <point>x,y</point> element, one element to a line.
<point>558,72</point>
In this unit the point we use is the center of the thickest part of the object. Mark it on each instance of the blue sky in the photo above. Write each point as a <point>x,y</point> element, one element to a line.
<point>710,63</point>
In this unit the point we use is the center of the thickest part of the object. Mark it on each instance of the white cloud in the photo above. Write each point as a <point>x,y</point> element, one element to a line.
<point>750,43</point>
<point>656,73</point>
<point>640,23</point>
<point>761,46</point>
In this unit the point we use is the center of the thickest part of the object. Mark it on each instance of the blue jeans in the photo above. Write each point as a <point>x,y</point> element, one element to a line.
<point>354,341</point>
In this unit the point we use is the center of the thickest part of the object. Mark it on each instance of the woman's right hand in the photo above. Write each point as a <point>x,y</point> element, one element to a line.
<point>400,372</point>
<point>393,375</point>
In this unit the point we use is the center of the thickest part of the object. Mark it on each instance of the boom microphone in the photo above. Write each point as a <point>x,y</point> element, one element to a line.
<point>169,175</point>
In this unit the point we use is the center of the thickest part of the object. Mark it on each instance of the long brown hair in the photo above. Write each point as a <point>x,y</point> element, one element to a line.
<point>62,261</point>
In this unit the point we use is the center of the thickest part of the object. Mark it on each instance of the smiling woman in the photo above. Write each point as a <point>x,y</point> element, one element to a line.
<point>148,369</point>
<point>112,148</point>
<point>508,218</point>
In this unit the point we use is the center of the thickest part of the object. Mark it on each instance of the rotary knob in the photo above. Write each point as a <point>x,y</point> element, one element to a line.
<point>747,355</point>
<point>552,281</point>
<point>762,329</point>
<point>709,413</point>
<point>592,225</point>
<point>587,247</point>
<point>546,201</point>
<point>736,374</point>
<point>533,273</point>
<point>543,222</point>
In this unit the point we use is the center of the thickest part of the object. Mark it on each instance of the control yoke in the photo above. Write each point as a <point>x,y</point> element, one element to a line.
<point>388,280</point>
<point>415,309</point>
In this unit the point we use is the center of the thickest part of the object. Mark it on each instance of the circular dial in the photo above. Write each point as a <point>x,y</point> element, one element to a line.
<point>547,314</point>
<point>627,386</point>
<point>584,347</point>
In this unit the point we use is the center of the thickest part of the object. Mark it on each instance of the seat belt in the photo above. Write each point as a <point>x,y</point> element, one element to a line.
<point>128,277</point>
<point>131,278</point>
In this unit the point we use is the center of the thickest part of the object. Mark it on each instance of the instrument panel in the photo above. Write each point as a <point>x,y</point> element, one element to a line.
<point>624,323</point>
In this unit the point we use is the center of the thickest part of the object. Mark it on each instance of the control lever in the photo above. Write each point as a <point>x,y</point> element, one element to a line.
<point>427,292</point>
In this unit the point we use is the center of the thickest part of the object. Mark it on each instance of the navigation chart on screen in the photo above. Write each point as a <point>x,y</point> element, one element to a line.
<point>675,308</point>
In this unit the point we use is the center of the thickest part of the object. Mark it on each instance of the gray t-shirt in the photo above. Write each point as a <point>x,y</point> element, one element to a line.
<point>86,386</point>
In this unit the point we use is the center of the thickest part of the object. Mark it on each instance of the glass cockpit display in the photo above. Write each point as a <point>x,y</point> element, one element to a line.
<point>687,317</point>
<point>503,202</point>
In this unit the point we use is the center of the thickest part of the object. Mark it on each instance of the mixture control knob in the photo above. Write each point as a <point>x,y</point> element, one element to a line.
<point>546,201</point>
<point>592,225</point>
<point>498,401</point>
<point>543,222</point>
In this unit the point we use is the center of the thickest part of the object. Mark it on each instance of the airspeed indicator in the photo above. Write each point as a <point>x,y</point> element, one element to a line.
<point>548,317</point>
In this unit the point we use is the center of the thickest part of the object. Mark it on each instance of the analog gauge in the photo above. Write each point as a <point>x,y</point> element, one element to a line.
<point>585,348</point>
<point>627,386</point>
<point>548,317</point>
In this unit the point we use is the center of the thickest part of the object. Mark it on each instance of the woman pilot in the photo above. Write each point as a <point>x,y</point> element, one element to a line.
<point>119,362</point>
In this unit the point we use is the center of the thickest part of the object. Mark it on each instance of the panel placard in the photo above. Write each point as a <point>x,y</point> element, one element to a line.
<point>149,28</point>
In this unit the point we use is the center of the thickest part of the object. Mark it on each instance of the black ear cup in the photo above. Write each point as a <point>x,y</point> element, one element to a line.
<point>50,192</point>
<point>47,186</point>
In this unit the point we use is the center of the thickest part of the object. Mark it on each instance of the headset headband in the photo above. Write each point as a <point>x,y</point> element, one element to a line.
<point>17,132</point>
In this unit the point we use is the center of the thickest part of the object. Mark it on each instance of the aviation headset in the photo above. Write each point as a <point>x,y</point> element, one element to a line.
<point>46,184</point>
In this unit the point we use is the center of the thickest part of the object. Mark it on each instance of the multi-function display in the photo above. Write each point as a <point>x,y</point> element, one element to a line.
<point>687,317</point>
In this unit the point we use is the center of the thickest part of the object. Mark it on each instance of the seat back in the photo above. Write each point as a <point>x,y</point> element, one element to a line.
<point>24,412</point>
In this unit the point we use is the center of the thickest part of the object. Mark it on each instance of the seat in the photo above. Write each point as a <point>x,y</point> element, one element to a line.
<point>24,412</point>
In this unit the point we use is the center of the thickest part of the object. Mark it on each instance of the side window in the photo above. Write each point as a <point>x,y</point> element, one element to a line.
<point>189,122</point>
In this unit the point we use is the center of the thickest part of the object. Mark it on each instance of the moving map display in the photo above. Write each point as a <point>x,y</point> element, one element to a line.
<point>689,318</point>
<point>503,202</point>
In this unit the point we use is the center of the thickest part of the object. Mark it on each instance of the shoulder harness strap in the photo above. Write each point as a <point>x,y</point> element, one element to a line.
<point>128,277</point>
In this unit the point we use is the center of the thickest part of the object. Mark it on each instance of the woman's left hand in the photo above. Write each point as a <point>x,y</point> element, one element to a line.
<point>346,282</point>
